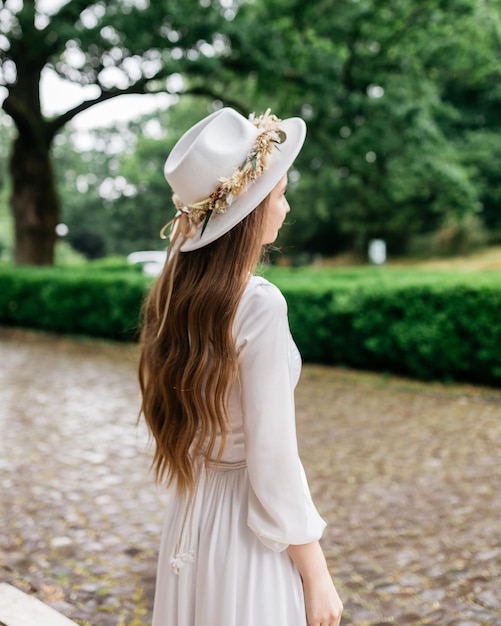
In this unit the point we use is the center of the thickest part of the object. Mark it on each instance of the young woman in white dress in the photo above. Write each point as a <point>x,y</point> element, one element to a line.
<point>217,372</point>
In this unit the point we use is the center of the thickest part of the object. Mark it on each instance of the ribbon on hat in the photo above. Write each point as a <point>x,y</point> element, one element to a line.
<point>181,224</point>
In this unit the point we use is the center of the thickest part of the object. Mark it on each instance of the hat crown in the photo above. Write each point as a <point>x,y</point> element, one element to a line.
<point>250,155</point>
<point>213,149</point>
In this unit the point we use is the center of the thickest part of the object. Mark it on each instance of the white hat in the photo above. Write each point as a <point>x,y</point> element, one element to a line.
<point>222,148</point>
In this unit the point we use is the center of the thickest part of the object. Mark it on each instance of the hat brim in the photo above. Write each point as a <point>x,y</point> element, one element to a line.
<point>280,161</point>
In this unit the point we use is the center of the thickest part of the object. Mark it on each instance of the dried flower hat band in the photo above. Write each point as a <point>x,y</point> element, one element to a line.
<point>190,216</point>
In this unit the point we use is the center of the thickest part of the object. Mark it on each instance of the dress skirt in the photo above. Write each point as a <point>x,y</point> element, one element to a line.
<point>213,570</point>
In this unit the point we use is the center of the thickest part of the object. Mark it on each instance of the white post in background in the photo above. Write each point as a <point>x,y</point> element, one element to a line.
<point>377,251</point>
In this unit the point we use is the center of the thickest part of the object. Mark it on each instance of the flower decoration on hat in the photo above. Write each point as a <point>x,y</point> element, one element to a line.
<point>254,165</point>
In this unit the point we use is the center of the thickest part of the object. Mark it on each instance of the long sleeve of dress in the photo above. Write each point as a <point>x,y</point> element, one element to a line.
<point>281,511</point>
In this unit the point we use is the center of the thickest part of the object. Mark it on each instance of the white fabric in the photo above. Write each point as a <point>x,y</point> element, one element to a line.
<point>214,148</point>
<point>235,531</point>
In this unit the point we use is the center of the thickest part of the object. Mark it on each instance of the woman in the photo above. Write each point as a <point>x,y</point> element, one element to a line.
<point>217,372</point>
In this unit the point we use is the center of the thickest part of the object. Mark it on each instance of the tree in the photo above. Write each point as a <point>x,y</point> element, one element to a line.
<point>392,93</point>
<point>374,78</point>
<point>117,46</point>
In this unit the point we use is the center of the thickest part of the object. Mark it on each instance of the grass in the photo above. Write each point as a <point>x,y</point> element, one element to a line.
<point>451,272</point>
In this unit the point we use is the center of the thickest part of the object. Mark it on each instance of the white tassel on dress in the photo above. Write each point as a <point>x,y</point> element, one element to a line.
<point>178,561</point>
<point>184,551</point>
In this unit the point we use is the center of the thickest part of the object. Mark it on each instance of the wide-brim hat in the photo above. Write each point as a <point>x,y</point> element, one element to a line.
<point>214,149</point>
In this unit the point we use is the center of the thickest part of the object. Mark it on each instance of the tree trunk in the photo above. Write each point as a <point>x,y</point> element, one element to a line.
<point>34,201</point>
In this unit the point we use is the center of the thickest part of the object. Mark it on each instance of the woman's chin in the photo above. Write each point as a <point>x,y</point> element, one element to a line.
<point>269,239</point>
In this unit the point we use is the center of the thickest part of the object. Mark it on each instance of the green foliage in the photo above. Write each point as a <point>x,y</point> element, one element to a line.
<point>6,234</point>
<point>369,77</point>
<point>480,151</point>
<point>428,332</point>
<point>113,264</point>
<point>117,47</point>
<point>431,325</point>
<point>402,101</point>
<point>66,255</point>
<point>100,303</point>
<point>392,150</point>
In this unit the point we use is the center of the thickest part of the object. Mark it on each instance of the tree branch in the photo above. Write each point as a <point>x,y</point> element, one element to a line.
<point>58,122</point>
<point>139,87</point>
<point>25,120</point>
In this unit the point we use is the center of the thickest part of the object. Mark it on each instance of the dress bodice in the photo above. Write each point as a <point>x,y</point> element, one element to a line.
<point>260,299</point>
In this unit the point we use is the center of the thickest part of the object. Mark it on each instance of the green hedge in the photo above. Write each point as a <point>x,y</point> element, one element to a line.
<point>99,304</point>
<point>429,332</point>
<point>431,326</point>
<point>443,325</point>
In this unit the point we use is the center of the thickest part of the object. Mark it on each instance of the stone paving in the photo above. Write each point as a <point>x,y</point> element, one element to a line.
<point>406,474</point>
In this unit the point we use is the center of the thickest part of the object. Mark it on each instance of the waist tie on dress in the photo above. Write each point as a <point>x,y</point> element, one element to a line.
<point>184,551</point>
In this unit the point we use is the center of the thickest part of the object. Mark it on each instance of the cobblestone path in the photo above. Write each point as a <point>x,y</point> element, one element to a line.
<point>408,476</point>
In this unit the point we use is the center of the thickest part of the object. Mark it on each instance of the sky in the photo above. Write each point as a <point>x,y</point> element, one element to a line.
<point>58,96</point>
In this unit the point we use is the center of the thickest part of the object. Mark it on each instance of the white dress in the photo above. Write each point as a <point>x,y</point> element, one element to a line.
<point>223,558</point>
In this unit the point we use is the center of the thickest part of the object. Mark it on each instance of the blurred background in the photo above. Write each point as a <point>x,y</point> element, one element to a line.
<point>390,257</point>
<point>402,102</point>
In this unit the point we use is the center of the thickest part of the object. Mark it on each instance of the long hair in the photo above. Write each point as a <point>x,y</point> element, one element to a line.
<point>188,358</point>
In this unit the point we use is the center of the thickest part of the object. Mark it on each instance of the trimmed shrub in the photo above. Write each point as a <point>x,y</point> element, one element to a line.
<point>426,331</point>
<point>427,325</point>
<point>98,304</point>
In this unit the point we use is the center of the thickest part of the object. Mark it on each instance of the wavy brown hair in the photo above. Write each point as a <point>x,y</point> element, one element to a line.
<point>188,356</point>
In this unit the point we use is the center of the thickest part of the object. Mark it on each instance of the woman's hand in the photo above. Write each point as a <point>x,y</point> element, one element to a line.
<point>322,602</point>
<point>323,605</point>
